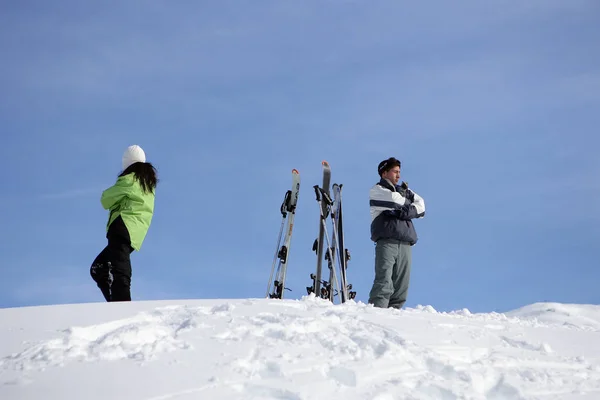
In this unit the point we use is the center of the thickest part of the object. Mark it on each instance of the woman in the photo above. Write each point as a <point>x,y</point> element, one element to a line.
<point>131,204</point>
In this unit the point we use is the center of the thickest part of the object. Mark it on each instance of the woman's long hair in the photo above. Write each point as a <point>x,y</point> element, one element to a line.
<point>145,173</point>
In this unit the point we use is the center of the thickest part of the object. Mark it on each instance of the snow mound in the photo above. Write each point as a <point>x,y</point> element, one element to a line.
<point>575,316</point>
<point>306,349</point>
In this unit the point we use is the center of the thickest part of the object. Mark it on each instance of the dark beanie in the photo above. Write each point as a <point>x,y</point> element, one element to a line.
<point>388,164</point>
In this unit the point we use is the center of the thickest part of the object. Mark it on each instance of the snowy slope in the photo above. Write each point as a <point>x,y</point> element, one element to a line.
<point>305,349</point>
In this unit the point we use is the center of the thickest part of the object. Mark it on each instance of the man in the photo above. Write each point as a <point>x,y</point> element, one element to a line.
<point>393,207</point>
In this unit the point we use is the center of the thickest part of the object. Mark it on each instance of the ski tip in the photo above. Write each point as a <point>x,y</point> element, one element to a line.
<point>295,171</point>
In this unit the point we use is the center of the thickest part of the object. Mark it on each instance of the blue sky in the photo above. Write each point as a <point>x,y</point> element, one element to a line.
<point>492,108</point>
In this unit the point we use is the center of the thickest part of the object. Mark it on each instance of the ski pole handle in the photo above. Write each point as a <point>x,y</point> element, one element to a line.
<point>317,192</point>
<point>327,198</point>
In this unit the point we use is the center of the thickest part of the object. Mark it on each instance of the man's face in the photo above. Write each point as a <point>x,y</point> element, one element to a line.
<point>393,175</point>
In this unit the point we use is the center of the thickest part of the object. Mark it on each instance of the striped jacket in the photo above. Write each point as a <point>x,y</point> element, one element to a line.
<point>392,211</point>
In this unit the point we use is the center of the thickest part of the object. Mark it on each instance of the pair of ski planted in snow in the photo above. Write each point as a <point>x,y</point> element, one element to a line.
<point>335,250</point>
<point>288,212</point>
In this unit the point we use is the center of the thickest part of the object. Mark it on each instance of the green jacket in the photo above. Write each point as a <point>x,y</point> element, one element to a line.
<point>126,198</point>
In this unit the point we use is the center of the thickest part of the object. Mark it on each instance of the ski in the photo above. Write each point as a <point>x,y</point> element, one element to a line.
<point>333,253</point>
<point>318,243</point>
<point>344,254</point>
<point>329,288</point>
<point>275,288</point>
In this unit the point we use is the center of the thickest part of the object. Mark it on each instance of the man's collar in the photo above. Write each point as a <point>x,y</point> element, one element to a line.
<point>387,184</point>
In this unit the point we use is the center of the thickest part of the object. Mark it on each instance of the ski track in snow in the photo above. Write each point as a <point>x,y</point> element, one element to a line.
<point>286,350</point>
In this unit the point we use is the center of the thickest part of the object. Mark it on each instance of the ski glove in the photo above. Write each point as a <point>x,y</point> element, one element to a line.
<point>406,192</point>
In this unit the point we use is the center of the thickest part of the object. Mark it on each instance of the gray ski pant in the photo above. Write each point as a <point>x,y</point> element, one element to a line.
<point>392,273</point>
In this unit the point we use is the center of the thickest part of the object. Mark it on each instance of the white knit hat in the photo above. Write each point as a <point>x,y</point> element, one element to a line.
<point>132,155</point>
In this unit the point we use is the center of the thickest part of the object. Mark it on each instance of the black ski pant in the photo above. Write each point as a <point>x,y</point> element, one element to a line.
<point>111,270</point>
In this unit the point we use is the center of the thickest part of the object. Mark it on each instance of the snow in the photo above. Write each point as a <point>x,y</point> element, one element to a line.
<point>297,349</point>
